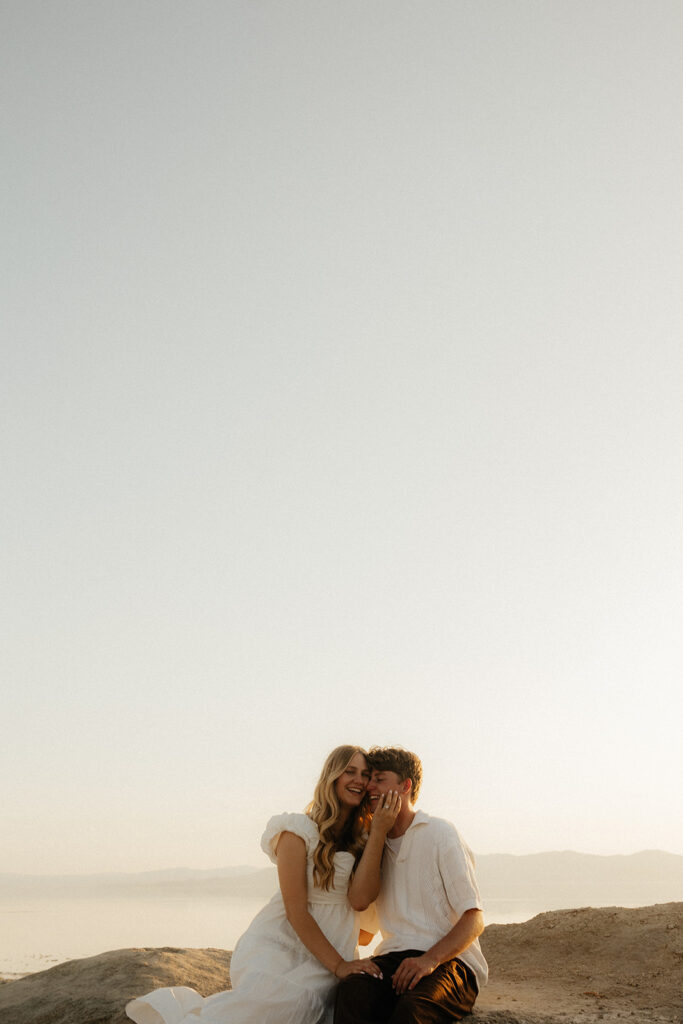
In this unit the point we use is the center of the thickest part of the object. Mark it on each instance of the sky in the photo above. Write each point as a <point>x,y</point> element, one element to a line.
<point>341,377</point>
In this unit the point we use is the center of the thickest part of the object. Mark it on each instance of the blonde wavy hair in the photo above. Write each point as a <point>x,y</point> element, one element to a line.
<point>325,809</point>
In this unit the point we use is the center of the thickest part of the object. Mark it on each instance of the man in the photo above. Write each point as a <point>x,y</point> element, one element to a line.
<point>428,907</point>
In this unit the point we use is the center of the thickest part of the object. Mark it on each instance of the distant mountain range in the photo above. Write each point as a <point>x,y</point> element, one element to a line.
<point>243,881</point>
<point>133,878</point>
<point>545,880</point>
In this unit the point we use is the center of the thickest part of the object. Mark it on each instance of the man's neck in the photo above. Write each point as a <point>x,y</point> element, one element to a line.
<point>402,823</point>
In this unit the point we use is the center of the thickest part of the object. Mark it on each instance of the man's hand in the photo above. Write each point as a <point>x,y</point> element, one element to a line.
<point>386,813</point>
<point>462,934</point>
<point>411,970</point>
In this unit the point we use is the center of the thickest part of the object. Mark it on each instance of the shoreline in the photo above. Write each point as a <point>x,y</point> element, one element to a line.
<point>37,936</point>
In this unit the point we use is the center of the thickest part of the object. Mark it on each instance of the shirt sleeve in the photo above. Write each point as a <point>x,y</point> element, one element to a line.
<point>300,824</point>
<point>456,866</point>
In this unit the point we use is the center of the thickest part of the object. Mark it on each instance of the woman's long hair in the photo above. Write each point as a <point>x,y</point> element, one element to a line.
<point>325,809</point>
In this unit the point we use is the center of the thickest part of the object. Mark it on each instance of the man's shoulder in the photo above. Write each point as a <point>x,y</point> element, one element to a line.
<point>438,827</point>
<point>441,833</point>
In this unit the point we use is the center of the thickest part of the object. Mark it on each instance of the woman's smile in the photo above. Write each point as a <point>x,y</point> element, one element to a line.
<point>353,781</point>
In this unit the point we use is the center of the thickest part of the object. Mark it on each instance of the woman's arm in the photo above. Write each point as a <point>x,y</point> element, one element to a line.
<point>365,883</point>
<point>291,869</point>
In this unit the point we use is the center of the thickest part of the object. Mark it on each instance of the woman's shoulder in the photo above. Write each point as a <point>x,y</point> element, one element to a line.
<point>300,824</point>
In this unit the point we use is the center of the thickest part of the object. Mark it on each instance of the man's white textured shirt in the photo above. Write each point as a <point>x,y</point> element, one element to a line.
<point>427,885</point>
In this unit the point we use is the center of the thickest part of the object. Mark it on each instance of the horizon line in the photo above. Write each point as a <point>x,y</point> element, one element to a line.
<point>251,868</point>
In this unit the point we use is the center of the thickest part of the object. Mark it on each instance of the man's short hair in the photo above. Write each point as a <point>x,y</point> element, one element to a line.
<point>395,759</point>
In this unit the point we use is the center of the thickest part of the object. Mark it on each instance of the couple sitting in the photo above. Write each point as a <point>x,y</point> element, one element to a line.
<point>361,859</point>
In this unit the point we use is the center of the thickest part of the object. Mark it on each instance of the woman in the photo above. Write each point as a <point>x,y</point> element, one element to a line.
<point>285,967</point>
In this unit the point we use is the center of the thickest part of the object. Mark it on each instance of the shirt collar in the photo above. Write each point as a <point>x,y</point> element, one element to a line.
<point>421,818</point>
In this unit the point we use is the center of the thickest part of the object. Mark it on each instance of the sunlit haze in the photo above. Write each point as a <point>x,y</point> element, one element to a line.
<point>342,378</point>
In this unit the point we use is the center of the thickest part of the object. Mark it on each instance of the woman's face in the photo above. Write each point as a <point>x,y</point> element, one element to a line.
<point>353,781</point>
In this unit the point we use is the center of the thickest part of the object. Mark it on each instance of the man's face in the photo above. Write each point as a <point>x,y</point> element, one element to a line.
<point>382,782</point>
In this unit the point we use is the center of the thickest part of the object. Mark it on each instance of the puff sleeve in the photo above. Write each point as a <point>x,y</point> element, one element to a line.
<point>300,824</point>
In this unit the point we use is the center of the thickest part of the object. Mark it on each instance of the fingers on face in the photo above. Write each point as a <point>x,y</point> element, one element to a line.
<point>392,800</point>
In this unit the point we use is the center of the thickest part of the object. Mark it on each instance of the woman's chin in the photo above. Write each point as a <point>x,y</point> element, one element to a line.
<point>350,802</point>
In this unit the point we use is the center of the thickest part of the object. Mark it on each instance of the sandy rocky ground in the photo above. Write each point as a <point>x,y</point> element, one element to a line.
<point>564,967</point>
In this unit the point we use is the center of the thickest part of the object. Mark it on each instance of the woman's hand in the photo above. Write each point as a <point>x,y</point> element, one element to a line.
<point>364,886</point>
<point>386,813</point>
<point>345,968</point>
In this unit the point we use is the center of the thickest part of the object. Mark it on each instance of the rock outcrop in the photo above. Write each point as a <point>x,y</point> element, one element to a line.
<point>605,966</point>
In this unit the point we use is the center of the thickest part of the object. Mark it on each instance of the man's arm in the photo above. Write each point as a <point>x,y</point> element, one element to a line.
<point>463,933</point>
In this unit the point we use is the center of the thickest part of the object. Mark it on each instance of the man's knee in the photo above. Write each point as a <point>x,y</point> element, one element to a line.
<point>429,1006</point>
<point>411,1009</point>
<point>352,988</point>
<point>353,995</point>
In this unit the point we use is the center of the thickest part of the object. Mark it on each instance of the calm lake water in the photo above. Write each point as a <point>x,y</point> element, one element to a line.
<point>39,932</point>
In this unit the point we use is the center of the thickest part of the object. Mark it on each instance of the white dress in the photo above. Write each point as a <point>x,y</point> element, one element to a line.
<point>274,977</point>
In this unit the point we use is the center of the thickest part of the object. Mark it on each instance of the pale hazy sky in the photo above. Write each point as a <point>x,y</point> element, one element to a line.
<point>342,379</point>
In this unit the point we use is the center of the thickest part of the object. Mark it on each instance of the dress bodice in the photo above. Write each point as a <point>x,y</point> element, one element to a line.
<point>337,893</point>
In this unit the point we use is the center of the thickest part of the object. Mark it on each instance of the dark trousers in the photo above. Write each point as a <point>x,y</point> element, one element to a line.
<point>447,994</point>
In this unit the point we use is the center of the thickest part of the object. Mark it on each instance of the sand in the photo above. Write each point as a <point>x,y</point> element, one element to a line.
<point>588,965</point>
<point>565,967</point>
